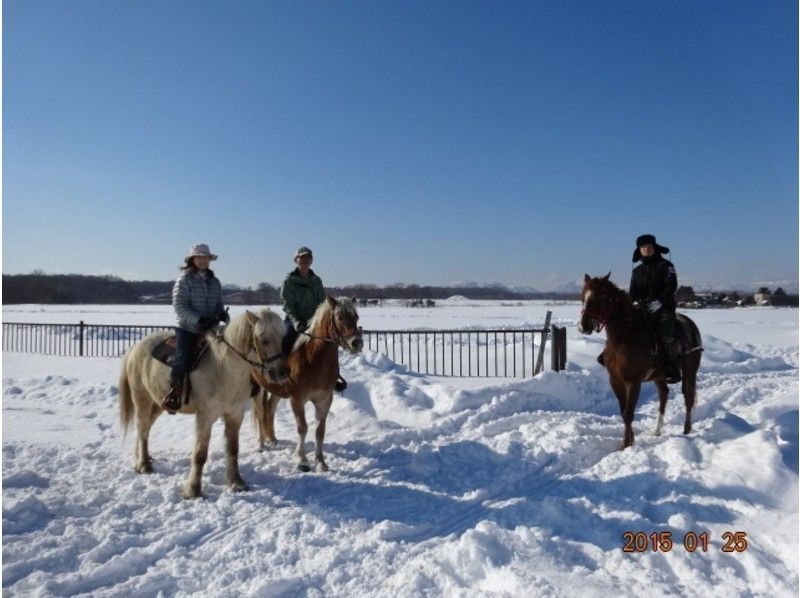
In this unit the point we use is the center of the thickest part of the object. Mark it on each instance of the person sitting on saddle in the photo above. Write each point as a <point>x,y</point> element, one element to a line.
<point>197,299</point>
<point>301,294</point>
<point>653,286</point>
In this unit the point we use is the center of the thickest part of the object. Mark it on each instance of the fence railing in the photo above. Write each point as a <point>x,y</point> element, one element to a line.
<point>461,353</point>
<point>79,340</point>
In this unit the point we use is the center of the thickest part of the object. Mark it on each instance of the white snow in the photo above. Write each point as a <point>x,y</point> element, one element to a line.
<point>438,486</point>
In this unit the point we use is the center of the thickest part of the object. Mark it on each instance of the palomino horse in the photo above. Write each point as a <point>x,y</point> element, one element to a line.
<point>220,388</point>
<point>313,370</point>
<point>629,347</point>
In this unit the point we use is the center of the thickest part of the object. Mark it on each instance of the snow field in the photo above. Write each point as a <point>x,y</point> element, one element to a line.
<point>438,486</point>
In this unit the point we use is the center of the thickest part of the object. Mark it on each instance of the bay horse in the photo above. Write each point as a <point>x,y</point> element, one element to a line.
<point>220,389</point>
<point>628,354</point>
<point>313,371</point>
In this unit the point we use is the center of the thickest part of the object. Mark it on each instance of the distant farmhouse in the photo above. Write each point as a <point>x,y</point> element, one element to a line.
<point>687,298</point>
<point>778,299</point>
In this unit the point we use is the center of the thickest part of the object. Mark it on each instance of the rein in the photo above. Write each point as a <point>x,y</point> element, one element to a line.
<point>328,339</point>
<point>261,365</point>
<point>602,321</point>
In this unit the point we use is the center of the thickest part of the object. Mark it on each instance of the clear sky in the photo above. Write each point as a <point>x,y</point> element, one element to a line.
<point>407,141</point>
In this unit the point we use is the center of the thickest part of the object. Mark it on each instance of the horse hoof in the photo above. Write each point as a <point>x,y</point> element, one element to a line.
<point>305,467</point>
<point>145,468</point>
<point>191,493</point>
<point>240,486</point>
<point>322,466</point>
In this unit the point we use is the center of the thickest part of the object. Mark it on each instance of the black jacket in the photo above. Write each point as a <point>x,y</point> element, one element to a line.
<point>655,279</point>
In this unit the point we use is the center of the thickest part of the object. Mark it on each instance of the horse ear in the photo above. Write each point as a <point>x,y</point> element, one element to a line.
<point>251,317</point>
<point>354,299</point>
<point>607,276</point>
<point>331,301</point>
<point>586,278</point>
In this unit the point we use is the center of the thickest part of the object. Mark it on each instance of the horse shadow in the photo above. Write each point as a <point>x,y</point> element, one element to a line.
<point>450,489</point>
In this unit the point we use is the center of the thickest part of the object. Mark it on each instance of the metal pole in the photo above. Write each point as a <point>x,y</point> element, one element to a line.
<point>545,330</point>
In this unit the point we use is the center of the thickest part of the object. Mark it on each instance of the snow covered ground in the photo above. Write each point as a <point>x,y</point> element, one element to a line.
<point>438,486</point>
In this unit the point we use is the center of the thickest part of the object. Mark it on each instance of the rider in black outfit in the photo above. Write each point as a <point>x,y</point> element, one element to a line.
<point>653,286</point>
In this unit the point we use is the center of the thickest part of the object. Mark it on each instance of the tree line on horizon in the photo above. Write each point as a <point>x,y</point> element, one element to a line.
<point>79,288</point>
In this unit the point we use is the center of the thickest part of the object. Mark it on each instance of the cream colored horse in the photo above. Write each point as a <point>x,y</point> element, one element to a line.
<point>220,389</point>
<point>314,367</point>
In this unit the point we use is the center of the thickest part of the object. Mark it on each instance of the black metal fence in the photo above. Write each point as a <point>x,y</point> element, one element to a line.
<point>89,340</point>
<point>462,353</point>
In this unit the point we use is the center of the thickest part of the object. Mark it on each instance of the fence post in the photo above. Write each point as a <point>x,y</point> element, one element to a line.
<point>558,351</point>
<point>545,330</point>
<point>80,340</point>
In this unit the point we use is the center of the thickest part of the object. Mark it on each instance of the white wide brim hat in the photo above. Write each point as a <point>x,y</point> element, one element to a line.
<point>201,250</point>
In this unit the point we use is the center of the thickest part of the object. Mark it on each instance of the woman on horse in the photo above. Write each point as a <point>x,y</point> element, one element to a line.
<point>653,286</point>
<point>197,299</point>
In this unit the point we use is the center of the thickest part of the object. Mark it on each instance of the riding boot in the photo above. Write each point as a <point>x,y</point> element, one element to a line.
<point>173,401</point>
<point>672,359</point>
<point>601,359</point>
<point>340,385</point>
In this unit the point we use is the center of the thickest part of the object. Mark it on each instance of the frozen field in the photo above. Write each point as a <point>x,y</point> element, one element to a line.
<point>438,486</point>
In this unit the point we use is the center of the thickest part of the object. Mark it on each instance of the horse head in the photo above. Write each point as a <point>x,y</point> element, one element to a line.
<point>599,302</point>
<point>344,321</point>
<point>265,341</point>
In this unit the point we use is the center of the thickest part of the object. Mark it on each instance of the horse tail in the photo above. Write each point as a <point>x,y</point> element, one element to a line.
<point>126,407</point>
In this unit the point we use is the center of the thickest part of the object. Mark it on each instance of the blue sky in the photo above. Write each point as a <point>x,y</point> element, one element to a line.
<point>516,142</point>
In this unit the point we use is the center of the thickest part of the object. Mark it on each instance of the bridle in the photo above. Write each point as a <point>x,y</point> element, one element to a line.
<point>262,364</point>
<point>602,320</point>
<point>338,339</point>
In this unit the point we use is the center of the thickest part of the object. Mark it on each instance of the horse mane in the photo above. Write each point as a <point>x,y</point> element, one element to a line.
<point>613,290</point>
<point>324,311</point>
<point>238,332</point>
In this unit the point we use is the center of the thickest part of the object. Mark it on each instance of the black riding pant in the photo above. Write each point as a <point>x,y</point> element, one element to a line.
<point>185,341</point>
<point>289,336</point>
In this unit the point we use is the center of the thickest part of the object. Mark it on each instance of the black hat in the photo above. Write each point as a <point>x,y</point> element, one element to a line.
<point>647,240</point>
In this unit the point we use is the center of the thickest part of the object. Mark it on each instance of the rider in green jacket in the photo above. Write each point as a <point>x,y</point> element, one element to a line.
<point>301,293</point>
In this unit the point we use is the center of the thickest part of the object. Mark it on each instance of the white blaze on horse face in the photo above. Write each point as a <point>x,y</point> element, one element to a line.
<point>586,298</point>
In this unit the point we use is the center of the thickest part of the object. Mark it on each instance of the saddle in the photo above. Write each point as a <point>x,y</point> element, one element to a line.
<point>165,353</point>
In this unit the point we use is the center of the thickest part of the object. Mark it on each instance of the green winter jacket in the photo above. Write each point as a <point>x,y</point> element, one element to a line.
<point>301,296</point>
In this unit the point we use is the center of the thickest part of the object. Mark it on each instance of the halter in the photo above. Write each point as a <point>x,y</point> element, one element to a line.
<point>602,320</point>
<point>261,365</point>
<point>336,340</point>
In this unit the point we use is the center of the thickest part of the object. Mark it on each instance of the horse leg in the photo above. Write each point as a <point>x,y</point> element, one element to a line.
<point>269,420</point>
<point>145,410</point>
<point>232,425</point>
<point>632,396</point>
<point>689,388</point>
<point>322,409</point>
<point>663,392</point>
<point>202,430</point>
<point>619,391</point>
<point>298,408</point>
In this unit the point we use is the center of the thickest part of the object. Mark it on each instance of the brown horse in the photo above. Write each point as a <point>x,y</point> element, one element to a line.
<point>313,371</point>
<point>629,352</point>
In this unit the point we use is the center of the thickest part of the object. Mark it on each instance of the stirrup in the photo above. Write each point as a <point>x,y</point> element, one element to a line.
<point>173,401</point>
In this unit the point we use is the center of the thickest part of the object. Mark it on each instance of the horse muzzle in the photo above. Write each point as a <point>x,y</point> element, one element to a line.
<point>354,343</point>
<point>277,374</point>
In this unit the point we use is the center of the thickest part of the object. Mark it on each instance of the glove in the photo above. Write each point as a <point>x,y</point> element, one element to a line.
<point>224,316</point>
<point>654,306</point>
<point>206,323</point>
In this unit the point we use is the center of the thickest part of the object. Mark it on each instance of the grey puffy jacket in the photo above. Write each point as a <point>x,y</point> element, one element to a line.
<point>196,296</point>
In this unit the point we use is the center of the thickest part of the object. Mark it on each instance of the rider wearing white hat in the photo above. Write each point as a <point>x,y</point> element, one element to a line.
<point>197,299</point>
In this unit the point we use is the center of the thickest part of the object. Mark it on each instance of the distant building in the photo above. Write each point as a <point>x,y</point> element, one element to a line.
<point>777,300</point>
